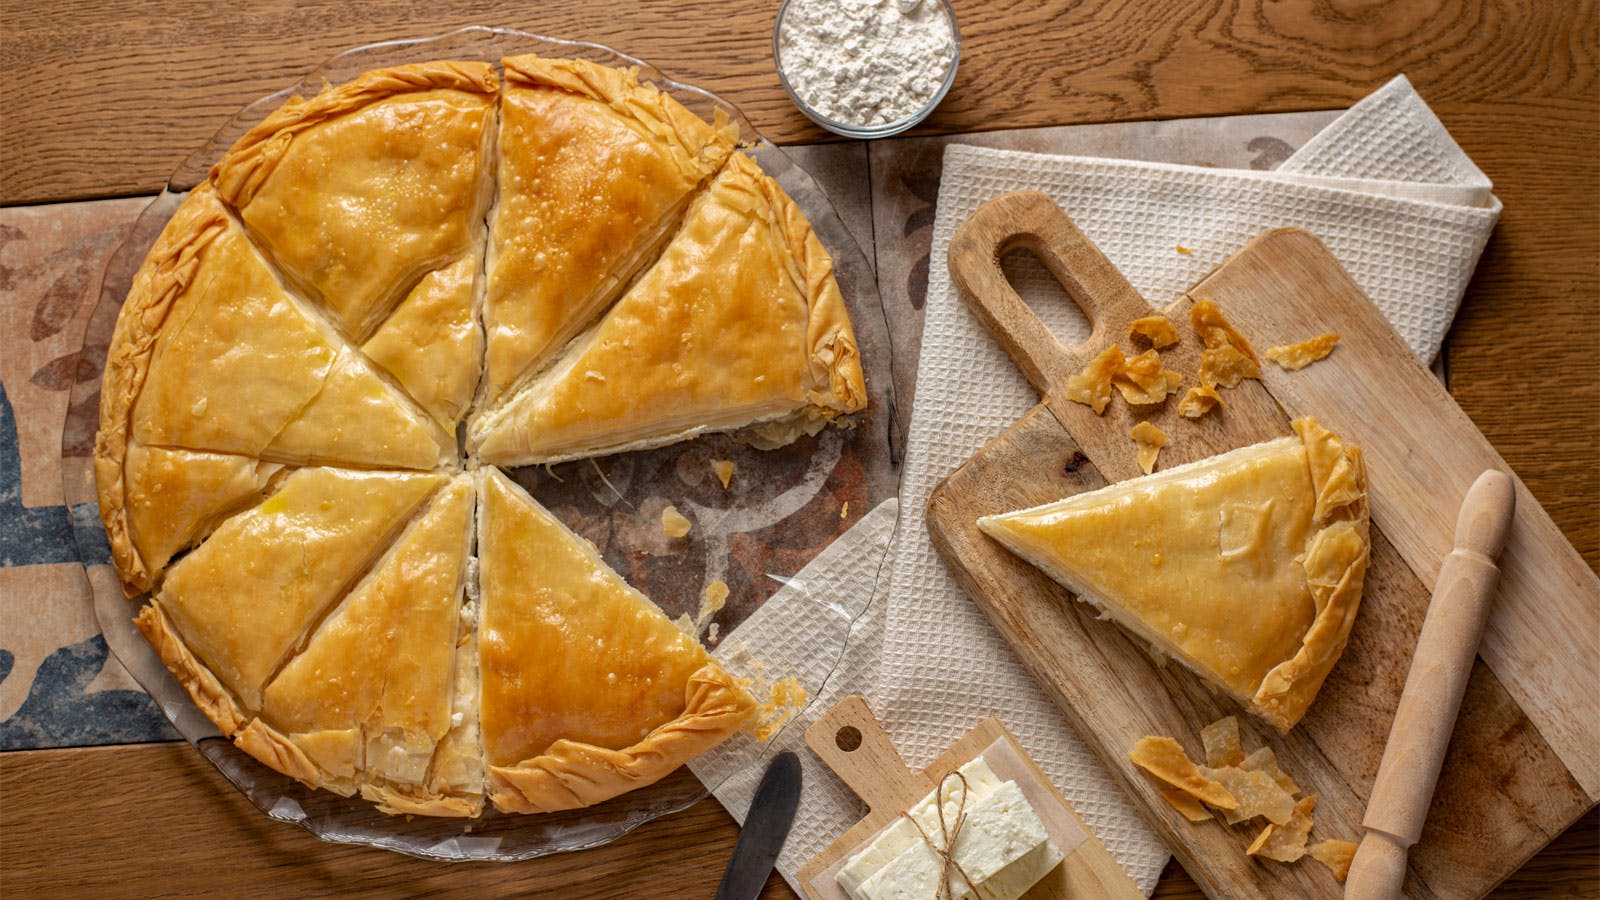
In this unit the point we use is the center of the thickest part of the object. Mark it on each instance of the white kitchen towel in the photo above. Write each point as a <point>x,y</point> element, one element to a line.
<point>832,595</point>
<point>1387,190</point>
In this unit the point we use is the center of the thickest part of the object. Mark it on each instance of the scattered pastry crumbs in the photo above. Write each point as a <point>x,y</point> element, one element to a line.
<point>1143,381</point>
<point>1336,855</point>
<point>1216,331</point>
<point>1150,440</point>
<point>1184,250</point>
<point>1201,399</point>
<point>1221,740</point>
<point>673,524</point>
<point>1165,759</point>
<point>1297,356</point>
<point>1192,809</point>
<point>1092,386</point>
<point>1155,329</point>
<point>1286,843</point>
<point>787,696</point>
<point>1256,788</point>
<point>724,470</point>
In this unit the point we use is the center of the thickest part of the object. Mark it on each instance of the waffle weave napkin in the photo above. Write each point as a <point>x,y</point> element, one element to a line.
<point>1384,186</point>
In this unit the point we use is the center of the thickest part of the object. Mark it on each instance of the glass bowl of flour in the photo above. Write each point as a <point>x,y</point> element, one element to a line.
<point>866,68</point>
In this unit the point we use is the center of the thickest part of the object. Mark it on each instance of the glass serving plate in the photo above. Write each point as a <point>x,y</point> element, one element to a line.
<point>782,509</point>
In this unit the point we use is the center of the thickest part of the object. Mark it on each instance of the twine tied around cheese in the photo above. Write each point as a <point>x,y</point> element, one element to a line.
<point>946,850</point>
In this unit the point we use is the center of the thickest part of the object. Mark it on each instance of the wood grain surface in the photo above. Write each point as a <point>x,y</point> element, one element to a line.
<point>1507,784</point>
<point>104,98</point>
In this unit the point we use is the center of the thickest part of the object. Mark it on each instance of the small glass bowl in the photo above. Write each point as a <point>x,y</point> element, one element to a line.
<point>868,132</point>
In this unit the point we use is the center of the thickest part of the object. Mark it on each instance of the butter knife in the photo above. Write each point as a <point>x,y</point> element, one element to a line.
<point>765,829</point>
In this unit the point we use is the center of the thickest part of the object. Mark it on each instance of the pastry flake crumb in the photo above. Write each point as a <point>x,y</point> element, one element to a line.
<point>1155,329</point>
<point>1092,386</point>
<point>1192,809</point>
<point>1150,440</point>
<point>1297,356</point>
<point>1287,842</point>
<point>1256,792</point>
<point>1201,399</point>
<point>1264,760</point>
<point>712,633</point>
<point>724,471</point>
<point>1216,331</point>
<point>1221,740</point>
<point>673,524</point>
<point>1226,366</point>
<point>1184,250</point>
<point>1143,381</point>
<point>786,697</point>
<point>712,602</point>
<point>1165,759</point>
<point>1336,855</point>
<point>844,511</point>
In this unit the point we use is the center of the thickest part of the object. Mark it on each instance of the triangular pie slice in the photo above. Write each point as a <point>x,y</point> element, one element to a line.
<point>212,354</point>
<point>589,690</point>
<point>361,190</point>
<point>171,499</point>
<point>432,344</point>
<point>234,610</point>
<point>1247,567</point>
<point>368,702</point>
<point>739,326</point>
<point>595,169</point>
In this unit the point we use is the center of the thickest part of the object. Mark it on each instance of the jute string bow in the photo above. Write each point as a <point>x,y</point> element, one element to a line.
<point>945,849</point>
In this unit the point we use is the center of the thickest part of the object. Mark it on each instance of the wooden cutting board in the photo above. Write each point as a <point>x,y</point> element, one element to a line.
<point>850,740</point>
<point>1525,759</point>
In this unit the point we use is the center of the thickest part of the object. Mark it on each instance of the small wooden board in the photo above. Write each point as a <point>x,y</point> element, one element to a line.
<point>873,769</point>
<point>1525,759</point>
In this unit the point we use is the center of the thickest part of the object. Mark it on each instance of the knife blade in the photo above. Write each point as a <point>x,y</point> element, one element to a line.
<point>765,829</point>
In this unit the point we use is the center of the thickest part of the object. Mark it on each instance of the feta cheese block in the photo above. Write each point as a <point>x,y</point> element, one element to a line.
<point>1002,847</point>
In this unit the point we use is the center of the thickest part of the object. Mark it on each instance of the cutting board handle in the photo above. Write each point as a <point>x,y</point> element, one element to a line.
<point>853,744</point>
<point>1030,220</point>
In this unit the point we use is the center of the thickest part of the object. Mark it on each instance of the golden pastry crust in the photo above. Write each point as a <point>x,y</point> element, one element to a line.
<point>739,325</point>
<point>1247,567</point>
<point>207,692</point>
<point>596,169</point>
<point>254,157</point>
<point>572,774</point>
<point>166,272</point>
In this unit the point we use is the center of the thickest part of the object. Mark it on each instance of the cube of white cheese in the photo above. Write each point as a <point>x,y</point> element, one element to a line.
<point>895,839</point>
<point>1002,847</point>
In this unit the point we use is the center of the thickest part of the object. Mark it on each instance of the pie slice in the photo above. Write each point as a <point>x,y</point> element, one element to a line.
<point>595,170</point>
<point>739,326</point>
<point>212,354</point>
<point>171,499</point>
<point>432,344</point>
<point>233,610</point>
<point>361,190</point>
<point>589,690</point>
<point>368,702</point>
<point>1247,567</point>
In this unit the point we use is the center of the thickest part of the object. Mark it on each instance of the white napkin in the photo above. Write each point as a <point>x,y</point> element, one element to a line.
<point>1384,186</point>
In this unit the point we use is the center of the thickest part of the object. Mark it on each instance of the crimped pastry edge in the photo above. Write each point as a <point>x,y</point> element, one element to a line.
<point>573,775</point>
<point>251,160</point>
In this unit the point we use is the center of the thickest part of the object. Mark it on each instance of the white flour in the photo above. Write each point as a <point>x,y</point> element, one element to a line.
<point>863,62</point>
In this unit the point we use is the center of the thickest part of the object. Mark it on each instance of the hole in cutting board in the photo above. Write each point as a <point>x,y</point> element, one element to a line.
<point>1045,296</point>
<point>848,738</point>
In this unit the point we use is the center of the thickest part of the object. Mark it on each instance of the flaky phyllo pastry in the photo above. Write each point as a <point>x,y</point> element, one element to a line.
<point>553,264</point>
<point>1246,567</point>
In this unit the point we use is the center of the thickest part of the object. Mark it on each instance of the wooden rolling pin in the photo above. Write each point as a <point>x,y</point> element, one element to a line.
<point>1434,687</point>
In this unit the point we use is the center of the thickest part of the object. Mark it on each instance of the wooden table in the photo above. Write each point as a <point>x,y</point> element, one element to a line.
<point>104,98</point>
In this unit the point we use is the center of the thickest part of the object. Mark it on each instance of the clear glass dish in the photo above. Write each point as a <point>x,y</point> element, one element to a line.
<point>869,132</point>
<point>785,506</point>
